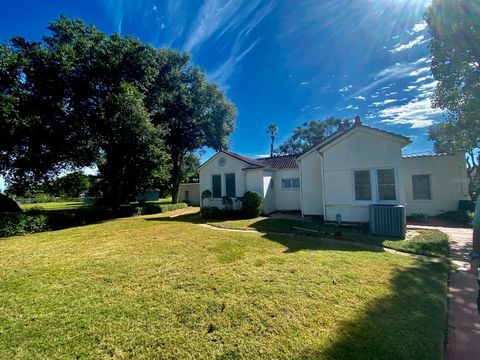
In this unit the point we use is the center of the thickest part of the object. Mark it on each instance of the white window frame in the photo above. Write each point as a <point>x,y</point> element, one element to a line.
<point>430,186</point>
<point>374,187</point>
<point>354,195</point>
<point>291,183</point>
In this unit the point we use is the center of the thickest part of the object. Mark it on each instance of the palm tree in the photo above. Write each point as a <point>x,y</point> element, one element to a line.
<point>273,131</point>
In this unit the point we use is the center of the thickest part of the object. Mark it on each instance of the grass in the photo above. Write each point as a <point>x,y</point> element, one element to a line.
<point>423,242</point>
<point>54,205</point>
<point>160,287</point>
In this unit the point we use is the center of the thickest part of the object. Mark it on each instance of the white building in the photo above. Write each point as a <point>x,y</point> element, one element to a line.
<point>343,175</point>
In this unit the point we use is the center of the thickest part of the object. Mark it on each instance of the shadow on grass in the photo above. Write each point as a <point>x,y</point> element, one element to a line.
<point>280,231</point>
<point>408,323</point>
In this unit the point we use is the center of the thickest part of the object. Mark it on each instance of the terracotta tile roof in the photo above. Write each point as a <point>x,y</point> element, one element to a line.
<point>280,162</point>
<point>275,162</point>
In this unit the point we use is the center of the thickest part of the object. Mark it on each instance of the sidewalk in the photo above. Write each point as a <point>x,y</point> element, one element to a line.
<point>463,316</point>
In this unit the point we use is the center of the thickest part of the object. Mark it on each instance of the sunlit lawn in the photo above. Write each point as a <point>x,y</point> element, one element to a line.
<point>424,242</point>
<point>54,205</point>
<point>155,287</point>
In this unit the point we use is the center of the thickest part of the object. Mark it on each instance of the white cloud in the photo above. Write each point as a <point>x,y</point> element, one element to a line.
<point>417,113</point>
<point>359,97</point>
<point>223,72</point>
<point>423,78</point>
<point>395,37</point>
<point>402,47</point>
<point>410,88</point>
<point>317,107</point>
<point>216,18</point>
<point>303,83</point>
<point>155,8</point>
<point>345,88</point>
<point>383,103</point>
<point>418,27</point>
<point>419,71</point>
<point>428,87</point>
<point>391,93</point>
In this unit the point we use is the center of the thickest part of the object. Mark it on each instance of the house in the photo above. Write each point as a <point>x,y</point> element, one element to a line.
<point>342,176</point>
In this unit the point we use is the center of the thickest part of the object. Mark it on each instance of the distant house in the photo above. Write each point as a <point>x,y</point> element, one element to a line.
<point>342,175</point>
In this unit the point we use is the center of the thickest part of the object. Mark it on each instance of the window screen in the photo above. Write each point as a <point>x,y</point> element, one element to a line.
<point>363,189</point>
<point>386,184</point>
<point>421,187</point>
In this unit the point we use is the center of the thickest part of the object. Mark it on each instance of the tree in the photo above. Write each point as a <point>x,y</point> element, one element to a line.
<point>194,112</point>
<point>63,98</point>
<point>304,137</point>
<point>273,131</point>
<point>455,52</point>
<point>131,146</point>
<point>460,135</point>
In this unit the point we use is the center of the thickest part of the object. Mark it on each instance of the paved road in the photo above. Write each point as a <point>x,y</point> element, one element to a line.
<point>463,316</point>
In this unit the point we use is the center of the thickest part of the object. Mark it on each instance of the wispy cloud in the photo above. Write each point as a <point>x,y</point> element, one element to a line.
<point>235,18</point>
<point>383,103</point>
<point>402,47</point>
<point>395,71</point>
<point>419,71</point>
<point>418,27</point>
<point>418,113</point>
<point>359,97</point>
<point>303,83</point>
<point>223,72</point>
<point>423,78</point>
<point>345,88</point>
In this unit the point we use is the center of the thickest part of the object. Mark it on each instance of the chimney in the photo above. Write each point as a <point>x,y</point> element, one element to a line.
<point>357,121</point>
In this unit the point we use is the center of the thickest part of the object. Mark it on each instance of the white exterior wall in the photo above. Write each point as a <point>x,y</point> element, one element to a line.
<point>268,192</point>
<point>286,199</point>
<point>448,183</point>
<point>193,193</point>
<point>212,168</point>
<point>360,150</point>
<point>312,184</point>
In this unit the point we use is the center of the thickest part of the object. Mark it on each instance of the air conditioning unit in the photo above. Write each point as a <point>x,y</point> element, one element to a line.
<point>388,220</point>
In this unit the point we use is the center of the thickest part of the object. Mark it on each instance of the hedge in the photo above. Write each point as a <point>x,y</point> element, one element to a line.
<point>12,223</point>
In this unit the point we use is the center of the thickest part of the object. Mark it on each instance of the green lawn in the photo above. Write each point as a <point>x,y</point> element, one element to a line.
<point>54,205</point>
<point>160,287</point>
<point>424,242</point>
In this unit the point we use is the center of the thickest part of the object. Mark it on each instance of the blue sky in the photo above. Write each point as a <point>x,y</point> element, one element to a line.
<point>279,61</point>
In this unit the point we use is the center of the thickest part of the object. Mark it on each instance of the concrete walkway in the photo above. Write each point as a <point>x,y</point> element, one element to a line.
<point>463,316</point>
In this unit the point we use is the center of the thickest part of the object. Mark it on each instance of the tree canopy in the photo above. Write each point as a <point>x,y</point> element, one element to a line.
<point>455,51</point>
<point>81,98</point>
<point>311,133</point>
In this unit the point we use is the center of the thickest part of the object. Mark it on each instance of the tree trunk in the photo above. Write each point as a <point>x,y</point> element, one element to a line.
<point>271,147</point>
<point>177,160</point>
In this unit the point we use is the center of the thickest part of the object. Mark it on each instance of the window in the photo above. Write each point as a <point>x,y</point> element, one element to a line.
<point>293,183</point>
<point>421,187</point>
<point>216,186</point>
<point>363,188</point>
<point>230,185</point>
<point>386,184</point>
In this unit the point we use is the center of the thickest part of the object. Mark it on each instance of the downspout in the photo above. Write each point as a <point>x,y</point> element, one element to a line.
<point>323,187</point>
<point>301,189</point>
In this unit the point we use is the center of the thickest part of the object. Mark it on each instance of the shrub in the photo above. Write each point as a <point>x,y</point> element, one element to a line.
<point>171,207</point>
<point>14,223</point>
<point>461,217</point>
<point>252,203</point>
<point>215,213</point>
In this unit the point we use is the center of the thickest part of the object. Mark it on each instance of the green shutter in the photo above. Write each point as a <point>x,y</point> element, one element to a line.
<point>230,185</point>
<point>216,186</point>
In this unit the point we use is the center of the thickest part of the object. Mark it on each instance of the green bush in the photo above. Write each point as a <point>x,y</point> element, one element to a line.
<point>171,207</point>
<point>461,217</point>
<point>252,203</point>
<point>215,213</point>
<point>13,223</point>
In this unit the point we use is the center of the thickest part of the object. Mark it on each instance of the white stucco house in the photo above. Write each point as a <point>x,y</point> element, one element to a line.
<point>343,174</point>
